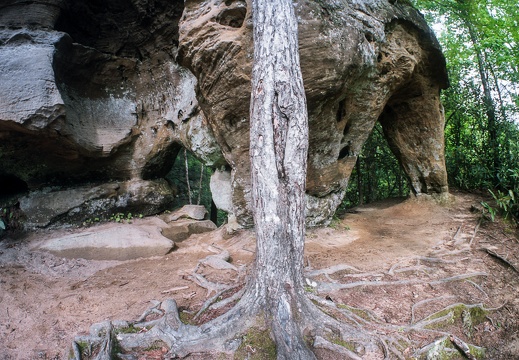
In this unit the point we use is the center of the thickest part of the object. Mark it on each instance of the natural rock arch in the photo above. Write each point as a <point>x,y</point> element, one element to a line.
<point>359,61</point>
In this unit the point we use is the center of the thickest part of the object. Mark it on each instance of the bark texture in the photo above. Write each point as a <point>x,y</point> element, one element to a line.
<point>278,150</point>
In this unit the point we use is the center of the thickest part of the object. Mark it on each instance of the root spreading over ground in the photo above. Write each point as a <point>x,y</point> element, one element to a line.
<point>407,280</point>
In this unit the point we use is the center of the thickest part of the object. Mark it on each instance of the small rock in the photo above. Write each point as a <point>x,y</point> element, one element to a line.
<point>195,212</point>
<point>180,230</point>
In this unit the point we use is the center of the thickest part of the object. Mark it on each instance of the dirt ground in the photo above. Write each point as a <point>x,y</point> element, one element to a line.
<point>405,261</point>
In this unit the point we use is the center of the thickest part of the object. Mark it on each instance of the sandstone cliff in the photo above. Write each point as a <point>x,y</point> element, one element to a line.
<point>97,98</point>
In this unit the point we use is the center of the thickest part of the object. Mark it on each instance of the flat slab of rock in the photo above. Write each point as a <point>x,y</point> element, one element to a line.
<point>111,242</point>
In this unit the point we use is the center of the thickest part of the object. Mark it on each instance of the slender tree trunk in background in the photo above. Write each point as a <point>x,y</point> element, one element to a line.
<point>187,177</point>
<point>360,185</point>
<point>457,147</point>
<point>490,108</point>
<point>278,150</point>
<point>200,184</point>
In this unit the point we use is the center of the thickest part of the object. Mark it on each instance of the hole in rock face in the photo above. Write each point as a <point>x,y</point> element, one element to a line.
<point>345,151</point>
<point>159,165</point>
<point>11,185</point>
<point>341,111</point>
<point>233,17</point>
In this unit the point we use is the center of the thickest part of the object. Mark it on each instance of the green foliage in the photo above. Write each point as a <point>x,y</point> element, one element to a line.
<point>9,217</point>
<point>177,177</point>
<point>121,217</point>
<point>480,40</point>
<point>256,344</point>
<point>506,202</point>
<point>378,174</point>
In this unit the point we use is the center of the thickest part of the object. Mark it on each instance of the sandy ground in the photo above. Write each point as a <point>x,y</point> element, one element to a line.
<point>45,300</point>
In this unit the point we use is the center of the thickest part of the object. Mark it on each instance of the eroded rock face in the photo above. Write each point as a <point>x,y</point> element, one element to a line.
<point>361,61</point>
<point>91,93</point>
<point>107,92</point>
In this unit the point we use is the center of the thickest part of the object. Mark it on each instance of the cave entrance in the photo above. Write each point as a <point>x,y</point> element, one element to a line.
<point>191,179</point>
<point>377,174</point>
<point>11,185</point>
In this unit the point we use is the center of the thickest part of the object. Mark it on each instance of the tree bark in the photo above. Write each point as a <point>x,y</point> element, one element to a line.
<point>278,150</point>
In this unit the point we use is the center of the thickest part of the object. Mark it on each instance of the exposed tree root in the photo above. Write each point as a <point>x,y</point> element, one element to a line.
<point>298,322</point>
<point>328,287</point>
<point>501,259</point>
<point>213,304</point>
<point>462,346</point>
<point>220,261</point>
<point>475,232</point>
<point>350,332</point>
<point>420,303</point>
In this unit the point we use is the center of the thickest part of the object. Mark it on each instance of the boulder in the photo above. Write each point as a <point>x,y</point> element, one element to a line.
<point>110,242</point>
<point>180,230</point>
<point>221,188</point>
<point>362,62</point>
<point>91,202</point>
<point>195,212</point>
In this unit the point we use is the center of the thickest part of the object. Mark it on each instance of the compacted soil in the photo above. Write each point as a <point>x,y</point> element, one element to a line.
<point>396,261</point>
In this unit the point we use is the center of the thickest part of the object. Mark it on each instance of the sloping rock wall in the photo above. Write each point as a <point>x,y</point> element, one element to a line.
<point>95,92</point>
<point>91,93</point>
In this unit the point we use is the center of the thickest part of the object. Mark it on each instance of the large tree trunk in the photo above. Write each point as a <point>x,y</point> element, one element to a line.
<point>278,148</point>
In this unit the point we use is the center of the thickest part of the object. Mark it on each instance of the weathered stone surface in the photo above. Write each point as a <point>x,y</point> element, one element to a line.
<point>42,207</point>
<point>221,188</point>
<point>94,92</point>
<point>182,229</point>
<point>361,62</point>
<point>88,202</point>
<point>91,92</point>
<point>111,242</point>
<point>30,95</point>
<point>195,212</point>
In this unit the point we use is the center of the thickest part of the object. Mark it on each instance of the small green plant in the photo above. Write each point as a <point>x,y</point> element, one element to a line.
<point>122,217</point>
<point>9,218</point>
<point>256,344</point>
<point>487,209</point>
<point>187,317</point>
<point>507,204</point>
<point>309,289</point>
<point>336,221</point>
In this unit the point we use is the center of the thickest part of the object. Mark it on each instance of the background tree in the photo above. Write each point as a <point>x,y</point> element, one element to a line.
<point>480,40</point>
